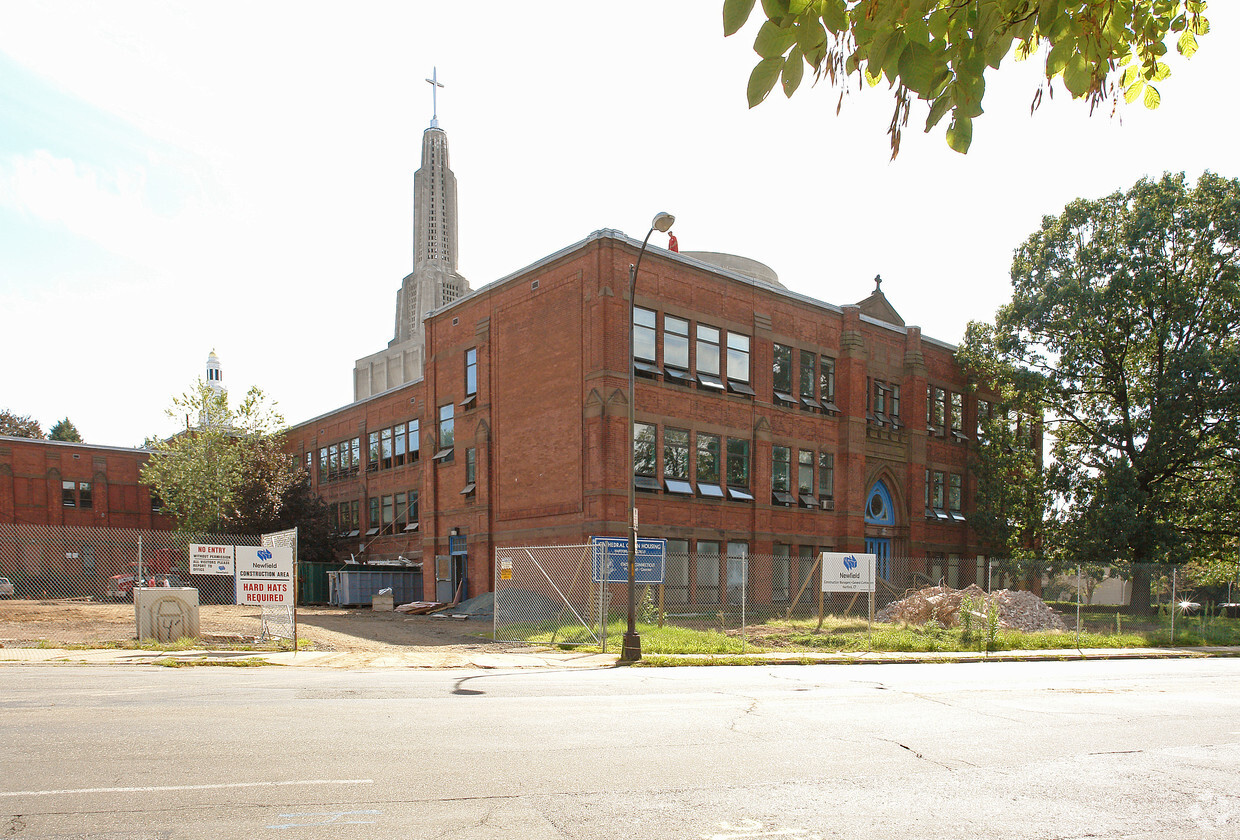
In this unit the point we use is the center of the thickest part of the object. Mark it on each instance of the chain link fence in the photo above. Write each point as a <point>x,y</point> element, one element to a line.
<point>62,584</point>
<point>716,602</point>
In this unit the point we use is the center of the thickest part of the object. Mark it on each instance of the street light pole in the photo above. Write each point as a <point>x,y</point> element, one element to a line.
<point>631,649</point>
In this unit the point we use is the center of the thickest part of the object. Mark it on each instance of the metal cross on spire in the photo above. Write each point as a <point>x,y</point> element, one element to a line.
<point>434,83</point>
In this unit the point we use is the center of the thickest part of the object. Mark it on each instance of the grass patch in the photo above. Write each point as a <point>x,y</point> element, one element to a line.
<point>247,662</point>
<point>658,661</point>
<point>666,639</point>
<point>843,634</point>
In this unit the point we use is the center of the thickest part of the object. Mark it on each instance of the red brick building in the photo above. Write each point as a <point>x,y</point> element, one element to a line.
<point>769,424</point>
<point>48,482</point>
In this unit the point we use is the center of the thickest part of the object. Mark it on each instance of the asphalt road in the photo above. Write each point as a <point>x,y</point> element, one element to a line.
<point>1140,749</point>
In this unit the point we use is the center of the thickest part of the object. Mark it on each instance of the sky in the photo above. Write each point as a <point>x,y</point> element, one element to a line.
<point>177,178</point>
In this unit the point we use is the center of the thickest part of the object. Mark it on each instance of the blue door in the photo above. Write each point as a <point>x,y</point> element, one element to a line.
<point>880,547</point>
<point>879,511</point>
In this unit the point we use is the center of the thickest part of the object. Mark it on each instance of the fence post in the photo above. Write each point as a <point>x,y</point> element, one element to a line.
<point>1172,605</point>
<point>744,598</point>
<point>1078,606</point>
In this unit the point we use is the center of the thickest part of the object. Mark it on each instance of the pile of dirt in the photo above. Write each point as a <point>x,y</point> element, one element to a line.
<point>1017,610</point>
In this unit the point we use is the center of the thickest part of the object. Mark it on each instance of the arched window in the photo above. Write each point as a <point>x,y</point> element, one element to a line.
<point>878,507</point>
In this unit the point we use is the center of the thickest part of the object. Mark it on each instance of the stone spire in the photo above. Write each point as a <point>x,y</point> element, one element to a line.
<point>435,281</point>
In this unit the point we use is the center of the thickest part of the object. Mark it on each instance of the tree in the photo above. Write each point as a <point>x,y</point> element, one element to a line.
<point>939,51</point>
<point>1124,321</point>
<point>1011,498</point>
<point>299,507</point>
<point>65,430</point>
<point>228,470</point>
<point>19,426</point>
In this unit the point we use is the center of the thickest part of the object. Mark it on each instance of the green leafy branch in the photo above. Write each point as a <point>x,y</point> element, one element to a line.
<point>938,51</point>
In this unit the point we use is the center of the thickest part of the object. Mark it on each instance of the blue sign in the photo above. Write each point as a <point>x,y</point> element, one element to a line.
<point>611,556</point>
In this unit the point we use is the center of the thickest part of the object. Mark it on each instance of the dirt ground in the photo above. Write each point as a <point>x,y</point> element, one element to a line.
<point>27,623</point>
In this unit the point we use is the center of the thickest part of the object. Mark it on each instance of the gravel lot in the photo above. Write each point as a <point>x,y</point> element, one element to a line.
<point>27,623</point>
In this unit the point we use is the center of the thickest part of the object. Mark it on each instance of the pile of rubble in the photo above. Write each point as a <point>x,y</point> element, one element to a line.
<point>1017,610</point>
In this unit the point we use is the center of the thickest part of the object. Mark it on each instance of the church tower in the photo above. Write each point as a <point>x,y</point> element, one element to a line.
<point>434,282</point>
<point>215,382</point>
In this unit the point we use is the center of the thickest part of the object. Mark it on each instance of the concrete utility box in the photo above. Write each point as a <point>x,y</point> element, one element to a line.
<point>166,614</point>
<point>382,602</point>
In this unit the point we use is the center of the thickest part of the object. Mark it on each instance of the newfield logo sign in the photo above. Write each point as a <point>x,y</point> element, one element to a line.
<point>847,572</point>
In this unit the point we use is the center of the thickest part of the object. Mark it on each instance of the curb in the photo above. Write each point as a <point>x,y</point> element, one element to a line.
<point>570,661</point>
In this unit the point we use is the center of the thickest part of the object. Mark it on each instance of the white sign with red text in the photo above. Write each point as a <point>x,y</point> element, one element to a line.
<point>265,575</point>
<point>210,559</point>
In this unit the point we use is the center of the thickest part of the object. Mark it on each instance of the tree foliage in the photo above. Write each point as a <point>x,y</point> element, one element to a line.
<point>1124,325</point>
<point>229,469</point>
<point>939,51</point>
<point>65,430</point>
<point>1010,509</point>
<point>17,425</point>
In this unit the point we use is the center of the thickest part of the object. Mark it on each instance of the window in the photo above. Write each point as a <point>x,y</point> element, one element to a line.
<point>955,496</point>
<point>893,405</point>
<point>880,401</point>
<point>355,519</point>
<point>411,516</point>
<point>372,520</point>
<point>471,372</point>
<point>937,491</point>
<point>68,494</point>
<point>415,440</point>
<point>984,410</point>
<point>805,478</point>
<point>333,461</point>
<point>936,409</point>
<point>644,338</point>
<point>826,384</point>
<point>447,426</point>
<point>738,568</point>
<point>401,509</point>
<point>807,375</point>
<point>708,466</point>
<point>156,502</point>
<point>310,464</point>
<point>372,453</point>
<point>399,444</point>
<point>644,457</point>
<point>957,416</point>
<point>781,458</point>
<point>738,362</point>
<point>85,500</point>
<point>738,470</point>
<point>676,572</point>
<point>471,472</point>
<point>707,572</point>
<point>826,475</point>
<point>675,343</point>
<point>779,572</point>
<point>324,474</point>
<point>385,449</point>
<point>676,461</point>
<point>781,373</point>
<point>355,455</point>
<point>388,513</point>
<point>708,351</point>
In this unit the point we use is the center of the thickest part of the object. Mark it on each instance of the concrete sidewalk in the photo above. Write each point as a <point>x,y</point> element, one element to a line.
<point>449,657</point>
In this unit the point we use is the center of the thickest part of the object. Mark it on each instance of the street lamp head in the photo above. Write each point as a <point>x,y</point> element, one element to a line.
<point>663,222</point>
